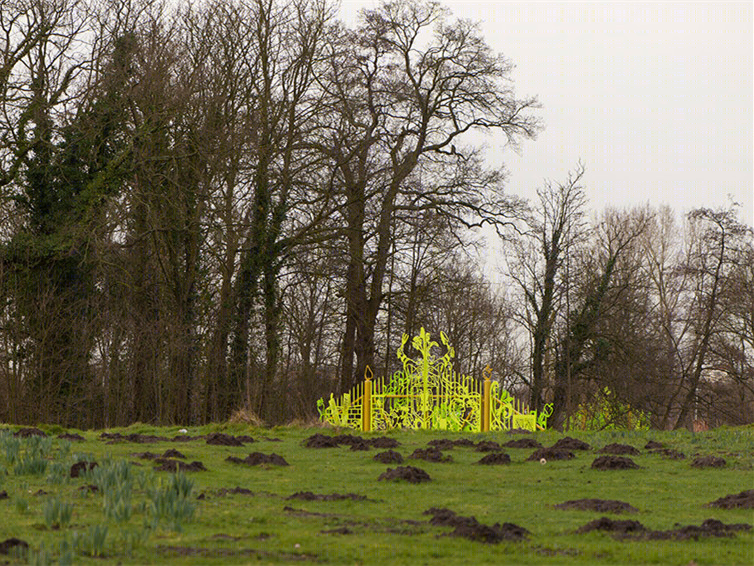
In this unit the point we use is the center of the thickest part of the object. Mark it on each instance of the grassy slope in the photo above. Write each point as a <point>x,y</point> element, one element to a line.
<point>393,529</point>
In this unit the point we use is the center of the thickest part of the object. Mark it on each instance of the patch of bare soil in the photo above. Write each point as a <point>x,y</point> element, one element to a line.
<point>599,505</point>
<point>338,531</point>
<point>487,446</point>
<point>653,445</point>
<point>360,446</point>
<point>669,453</point>
<point>270,439</point>
<point>619,450</point>
<point>80,467</point>
<point>3,495</point>
<point>71,437</point>
<point>709,462</point>
<point>430,455</point>
<point>495,458</point>
<point>321,441</point>
<point>168,465</point>
<point>612,526</point>
<point>257,459</point>
<point>309,496</point>
<point>389,457</point>
<point>613,463</point>
<point>258,555</point>
<point>470,528</point>
<point>384,442</point>
<point>11,544</point>
<point>27,432</point>
<point>221,439</point>
<point>568,443</point>
<point>743,500</point>
<point>407,473</point>
<point>551,454</point>
<point>523,443</point>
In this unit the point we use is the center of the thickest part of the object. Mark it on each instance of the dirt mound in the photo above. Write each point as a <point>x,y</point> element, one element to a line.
<point>309,496</point>
<point>669,453</point>
<point>568,443</point>
<point>613,463</point>
<point>487,446</point>
<point>257,459</point>
<point>523,443</point>
<point>709,528</point>
<point>80,467</point>
<point>321,441</point>
<point>384,442</point>
<point>653,445</point>
<point>245,438</point>
<point>551,454</point>
<point>234,491</point>
<point>115,437</point>
<point>3,495</point>
<point>173,453</point>
<point>619,449</point>
<point>145,455</point>
<point>470,528</point>
<point>13,545</point>
<point>709,462</point>
<point>609,525</point>
<point>348,439</point>
<point>520,431</point>
<point>168,465</point>
<point>186,438</point>
<point>27,432</point>
<point>495,458</point>
<point>389,457</point>
<point>599,505</point>
<point>442,444</point>
<point>71,437</point>
<point>430,455</point>
<point>407,473</point>
<point>743,500</point>
<point>221,439</point>
<point>360,446</point>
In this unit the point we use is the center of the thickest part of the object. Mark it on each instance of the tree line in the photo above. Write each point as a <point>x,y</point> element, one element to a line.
<point>238,205</point>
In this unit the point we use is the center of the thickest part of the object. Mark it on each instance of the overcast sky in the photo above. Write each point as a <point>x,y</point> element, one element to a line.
<point>654,98</point>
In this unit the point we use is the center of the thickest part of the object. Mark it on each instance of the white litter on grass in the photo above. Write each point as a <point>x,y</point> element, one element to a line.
<point>183,431</point>
<point>543,461</point>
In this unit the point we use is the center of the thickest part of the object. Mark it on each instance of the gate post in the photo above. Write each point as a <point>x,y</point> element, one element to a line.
<point>486,401</point>
<point>366,403</point>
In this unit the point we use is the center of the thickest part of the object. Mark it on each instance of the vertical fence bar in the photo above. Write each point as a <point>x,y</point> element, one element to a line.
<point>486,405</point>
<point>366,406</point>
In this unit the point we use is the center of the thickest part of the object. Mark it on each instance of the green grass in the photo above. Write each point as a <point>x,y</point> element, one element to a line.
<point>123,524</point>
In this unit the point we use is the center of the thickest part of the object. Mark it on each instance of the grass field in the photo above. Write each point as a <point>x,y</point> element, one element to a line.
<point>123,511</point>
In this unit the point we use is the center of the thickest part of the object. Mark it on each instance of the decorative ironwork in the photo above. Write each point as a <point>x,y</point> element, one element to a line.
<point>428,394</point>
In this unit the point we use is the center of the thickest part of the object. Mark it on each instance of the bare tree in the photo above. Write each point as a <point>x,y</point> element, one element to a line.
<point>402,90</point>
<point>551,230</point>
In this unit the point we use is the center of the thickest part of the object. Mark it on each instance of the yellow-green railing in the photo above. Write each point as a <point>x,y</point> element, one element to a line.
<point>427,393</point>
